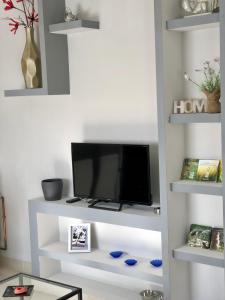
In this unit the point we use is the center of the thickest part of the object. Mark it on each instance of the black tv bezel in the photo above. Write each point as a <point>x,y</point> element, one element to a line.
<point>146,203</point>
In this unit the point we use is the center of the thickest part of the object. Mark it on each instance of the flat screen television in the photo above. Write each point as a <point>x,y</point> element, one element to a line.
<point>112,173</point>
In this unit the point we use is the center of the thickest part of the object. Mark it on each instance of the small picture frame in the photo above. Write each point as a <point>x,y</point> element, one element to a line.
<point>79,238</point>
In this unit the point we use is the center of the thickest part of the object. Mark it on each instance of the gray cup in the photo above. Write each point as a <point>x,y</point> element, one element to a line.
<point>52,189</point>
<point>151,295</point>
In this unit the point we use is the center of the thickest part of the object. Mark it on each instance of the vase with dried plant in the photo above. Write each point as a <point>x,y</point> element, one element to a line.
<point>30,62</point>
<point>210,85</point>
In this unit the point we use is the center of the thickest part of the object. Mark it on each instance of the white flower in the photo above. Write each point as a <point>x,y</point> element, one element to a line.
<point>186,76</point>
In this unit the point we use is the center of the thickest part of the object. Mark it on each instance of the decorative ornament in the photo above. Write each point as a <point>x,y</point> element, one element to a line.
<point>194,7</point>
<point>69,16</point>
<point>215,6</point>
<point>190,106</point>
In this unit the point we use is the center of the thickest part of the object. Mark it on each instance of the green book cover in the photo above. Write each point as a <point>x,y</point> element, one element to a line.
<point>190,168</point>
<point>199,236</point>
<point>208,170</point>
<point>220,172</point>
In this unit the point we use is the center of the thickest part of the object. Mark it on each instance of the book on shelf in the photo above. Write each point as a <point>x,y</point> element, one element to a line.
<point>217,239</point>
<point>199,236</point>
<point>190,169</point>
<point>208,170</point>
<point>220,172</point>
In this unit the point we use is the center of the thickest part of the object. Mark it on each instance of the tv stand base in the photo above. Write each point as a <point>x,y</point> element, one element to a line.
<point>95,202</point>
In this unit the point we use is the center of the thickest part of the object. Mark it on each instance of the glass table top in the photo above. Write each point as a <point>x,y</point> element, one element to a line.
<point>42,288</point>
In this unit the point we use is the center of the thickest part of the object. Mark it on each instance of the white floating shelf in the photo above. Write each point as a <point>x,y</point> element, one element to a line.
<point>98,290</point>
<point>198,255</point>
<point>194,118</point>
<point>194,22</point>
<point>101,260</point>
<point>74,27</point>
<point>196,187</point>
<point>136,216</point>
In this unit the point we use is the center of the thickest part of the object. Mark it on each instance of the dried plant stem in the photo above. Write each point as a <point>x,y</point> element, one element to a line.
<point>194,83</point>
<point>25,13</point>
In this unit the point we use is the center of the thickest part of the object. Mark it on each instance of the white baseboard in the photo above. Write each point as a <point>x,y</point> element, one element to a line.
<point>15,264</point>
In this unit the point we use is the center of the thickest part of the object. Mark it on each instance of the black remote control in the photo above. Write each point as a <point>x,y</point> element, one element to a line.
<point>73,200</point>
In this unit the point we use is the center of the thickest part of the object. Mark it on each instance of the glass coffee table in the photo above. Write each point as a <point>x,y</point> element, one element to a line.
<point>42,288</point>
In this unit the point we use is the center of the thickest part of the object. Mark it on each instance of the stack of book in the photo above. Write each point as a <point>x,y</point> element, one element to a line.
<point>202,170</point>
<point>206,237</point>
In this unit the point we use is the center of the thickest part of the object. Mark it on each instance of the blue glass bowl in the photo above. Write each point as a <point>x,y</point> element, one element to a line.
<point>116,254</point>
<point>131,262</point>
<point>156,263</point>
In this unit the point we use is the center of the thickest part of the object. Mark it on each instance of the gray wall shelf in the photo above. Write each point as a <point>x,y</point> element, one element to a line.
<point>194,118</point>
<point>198,255</point>
<point>136,216</point>
<point>74,27</point>
<point>194,22</point>
<point>196,187</point>
<point>54,49</point>
<point>26,92</point>
<point>99,259</point>
<point>53,52</point>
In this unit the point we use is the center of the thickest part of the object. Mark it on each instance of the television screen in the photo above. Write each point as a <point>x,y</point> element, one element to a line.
<point>120,173</point>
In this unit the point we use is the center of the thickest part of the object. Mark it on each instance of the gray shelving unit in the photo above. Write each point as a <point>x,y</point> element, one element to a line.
<point>48,250</point>
<point>74,27</point>
<point>53,52</point>
<point>174,194</point>
<point>194,118</point>
<point>194,22</point>
<point>55,72</point>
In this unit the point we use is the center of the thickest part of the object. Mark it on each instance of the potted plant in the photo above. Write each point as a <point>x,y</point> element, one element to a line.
<point>210,84</point>
<point>27,17</point>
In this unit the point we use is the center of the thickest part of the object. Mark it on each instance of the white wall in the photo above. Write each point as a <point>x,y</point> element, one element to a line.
<point>203,141</point>
<point>112,99</point>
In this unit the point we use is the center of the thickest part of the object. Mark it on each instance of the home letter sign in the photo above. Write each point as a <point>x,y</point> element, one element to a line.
<point>190,106</point>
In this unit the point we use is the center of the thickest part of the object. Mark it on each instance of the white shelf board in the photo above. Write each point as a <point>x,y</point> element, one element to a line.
<point>196,187</point>
<point>101,260</point>
<point>136,216</point>
<point>194,22</point>
<point>198,255</point>
<point>194,118</point>
<point>73,27</point>
<point>96,290</point>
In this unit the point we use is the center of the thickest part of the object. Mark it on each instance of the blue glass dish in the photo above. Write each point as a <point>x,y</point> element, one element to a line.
<point>156,263</point>
<point>116,254</point>
<point>131,262</point>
